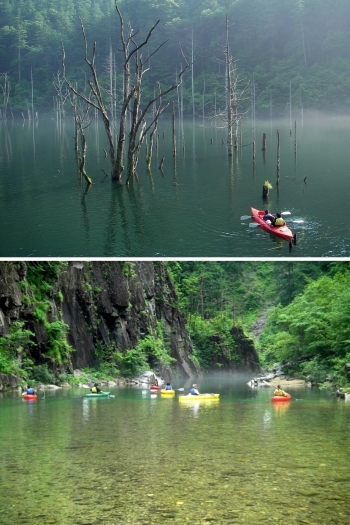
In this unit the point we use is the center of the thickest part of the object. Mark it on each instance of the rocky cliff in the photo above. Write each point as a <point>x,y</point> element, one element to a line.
<point>103,302</point>
<point>109,302</point>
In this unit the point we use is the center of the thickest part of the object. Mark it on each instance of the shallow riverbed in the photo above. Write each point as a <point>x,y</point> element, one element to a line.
<point>139,459</point>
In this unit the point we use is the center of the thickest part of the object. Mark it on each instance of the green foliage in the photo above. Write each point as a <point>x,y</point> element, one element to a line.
<point>14,348</point>
<point>316,323</point>
<point>42,374</point>
<point>131,363</point>
<point>59,350</point>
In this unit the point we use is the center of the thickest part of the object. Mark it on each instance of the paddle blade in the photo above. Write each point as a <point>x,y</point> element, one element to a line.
<point>298,221</point>
<point>180,389</point>
<point>245,217</point>
<point>286,213</point>
<point>253,224</point>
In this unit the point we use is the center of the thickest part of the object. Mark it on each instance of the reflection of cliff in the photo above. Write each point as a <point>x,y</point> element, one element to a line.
<point>111,302</point>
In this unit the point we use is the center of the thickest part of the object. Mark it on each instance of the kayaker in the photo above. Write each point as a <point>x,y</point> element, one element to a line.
<point>278,221</point>
<point>30,390</point>
<point>168,386</point>
<point>279,391</point>
<point>194,390</point>
<point>95,389</point>
<point>268,216</point>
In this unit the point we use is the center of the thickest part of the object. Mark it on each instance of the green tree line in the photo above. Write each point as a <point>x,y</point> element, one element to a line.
<point>281,46</point>
<point>305,307</point>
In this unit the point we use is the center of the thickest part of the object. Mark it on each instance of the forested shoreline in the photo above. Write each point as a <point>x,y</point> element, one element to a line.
<point>291,56</point>
<point>117,319</point>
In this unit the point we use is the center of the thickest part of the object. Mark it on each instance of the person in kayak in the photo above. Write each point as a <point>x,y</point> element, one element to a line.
<point>278,221</point>
<point>95,389</point>
<point>30,390</point>
<point>279,391</point>
<point>194,390</point>
<point>168,386</point>
<point>268,216</point>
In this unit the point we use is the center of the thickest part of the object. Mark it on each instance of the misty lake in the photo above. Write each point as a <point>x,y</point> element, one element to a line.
<point>192,209</point>
<point>141,459</point>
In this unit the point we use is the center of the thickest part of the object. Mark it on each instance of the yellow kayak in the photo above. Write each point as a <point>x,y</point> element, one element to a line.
<point>190,397</point>
<point>167,392</point>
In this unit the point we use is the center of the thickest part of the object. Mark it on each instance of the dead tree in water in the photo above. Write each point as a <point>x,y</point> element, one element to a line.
<point>134,66</point>
<point>5,88</point>
<point>234,97</point>
<point>95,98</point>
<point>132,97</point>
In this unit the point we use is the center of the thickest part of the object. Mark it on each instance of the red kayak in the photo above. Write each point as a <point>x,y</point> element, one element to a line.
<point>281,231</point>
<point>30,396</point>
<point>154,387</point>
<point>288,397</point>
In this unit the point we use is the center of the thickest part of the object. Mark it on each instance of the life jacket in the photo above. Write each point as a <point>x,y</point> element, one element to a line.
<point>168,387</point>
<point>279,393</point>
<point>94,390</point>
<point>279,222</point>
<point>193,392</point>
<point>30,390</point>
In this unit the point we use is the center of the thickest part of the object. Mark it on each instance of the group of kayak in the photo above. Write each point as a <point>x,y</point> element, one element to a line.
<point>193,394</point>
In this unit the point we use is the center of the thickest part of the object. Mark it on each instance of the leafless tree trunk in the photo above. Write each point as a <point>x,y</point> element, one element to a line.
<point>134,66</point>
<point>5,88</point>
<point>95,100</point>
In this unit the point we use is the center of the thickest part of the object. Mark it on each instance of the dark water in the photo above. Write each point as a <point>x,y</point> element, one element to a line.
<point>140,459</point>
<point>192,210</point>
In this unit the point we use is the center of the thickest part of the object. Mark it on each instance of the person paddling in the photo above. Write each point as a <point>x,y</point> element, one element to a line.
<point>278,221</point>
<point>279,391</point>
<point>168,386</point>
<point>95,389</point>
<point>194,390</point>
<point>30,390</point>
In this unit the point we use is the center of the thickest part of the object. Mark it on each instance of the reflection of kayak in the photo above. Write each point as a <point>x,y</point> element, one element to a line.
<point>30,396</point>
<point>199,398</point>
<point>101,394</point>
<point>281,398</point>
<point>167,392</point>
<point>281,231</point>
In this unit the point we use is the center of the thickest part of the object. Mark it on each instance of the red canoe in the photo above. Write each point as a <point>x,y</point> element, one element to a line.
<point>29,396</point>
<point>288,397</point>
<point>154,387</point>
<point>281,231</point>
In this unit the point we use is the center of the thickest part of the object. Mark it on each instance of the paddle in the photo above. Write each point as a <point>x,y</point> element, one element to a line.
<point>245,217</point>
<point>256,224</point>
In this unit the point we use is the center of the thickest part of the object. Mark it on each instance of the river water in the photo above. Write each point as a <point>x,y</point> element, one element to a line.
<point>139,459</point>
<point>192,209</point>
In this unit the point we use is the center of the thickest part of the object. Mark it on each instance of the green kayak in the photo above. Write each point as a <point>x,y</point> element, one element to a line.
<point>100,394</point>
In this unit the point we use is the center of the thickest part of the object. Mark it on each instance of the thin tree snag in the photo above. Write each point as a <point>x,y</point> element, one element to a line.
<point>173,131</point>
<point>97,100</point>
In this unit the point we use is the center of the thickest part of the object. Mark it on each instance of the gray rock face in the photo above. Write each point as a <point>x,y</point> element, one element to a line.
<point>108,302</point>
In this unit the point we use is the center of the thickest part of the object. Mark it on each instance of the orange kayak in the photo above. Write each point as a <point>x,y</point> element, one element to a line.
<point>281,231</point>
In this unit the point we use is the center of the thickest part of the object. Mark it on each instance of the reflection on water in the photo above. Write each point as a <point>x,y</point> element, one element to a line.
<point>191,209</point>
<point>142,459</point>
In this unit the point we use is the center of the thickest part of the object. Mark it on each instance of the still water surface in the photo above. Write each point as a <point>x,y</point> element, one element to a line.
<point>140,459</point>
<point>193,209</point>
